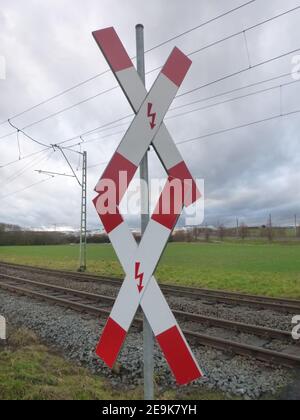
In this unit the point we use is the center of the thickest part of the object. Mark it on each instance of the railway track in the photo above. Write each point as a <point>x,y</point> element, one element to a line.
<point>262,302</point>
<point>100,305</point>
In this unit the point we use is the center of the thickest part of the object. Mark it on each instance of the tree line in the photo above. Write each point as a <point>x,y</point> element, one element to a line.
<point>14,235</point>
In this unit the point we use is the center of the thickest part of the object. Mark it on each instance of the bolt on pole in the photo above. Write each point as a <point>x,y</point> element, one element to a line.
<point>144,175</point>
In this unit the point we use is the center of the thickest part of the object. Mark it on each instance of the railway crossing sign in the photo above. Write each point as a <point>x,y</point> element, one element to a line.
<point>140,261</point>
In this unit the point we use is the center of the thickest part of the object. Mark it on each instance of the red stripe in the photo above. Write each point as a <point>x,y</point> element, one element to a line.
<point>192,193</point>
<point>180,190</point>
<point>170,204</point>
<point>113,183</point>
<point>120,171</point>
<point>109,220</point>
<point>178,355</point>
<point>111,341</point>
<point>177,66</point>
<point>112,49</point>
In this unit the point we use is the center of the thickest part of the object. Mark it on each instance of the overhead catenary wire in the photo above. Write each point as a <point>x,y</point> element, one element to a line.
<point>147,51</point>
<point>203,99</point>
<point>104,126</point>
<point>222,131</point>
<point>202,108</point>
<point>242,32</point>
<point>107,126</point>
<point>224,93</point>
<point>18,130</point>
<point>6,165</point>
<point>36,160</point>
<point>197,138</point>
<point>25,188</point>
<point>248,95</point>
<point>238,127</point>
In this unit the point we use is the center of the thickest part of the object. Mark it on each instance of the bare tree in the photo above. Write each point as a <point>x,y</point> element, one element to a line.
<point>221,232</point>
<point>179,236</point>
<point>243,231</point>
<point>207,233</point>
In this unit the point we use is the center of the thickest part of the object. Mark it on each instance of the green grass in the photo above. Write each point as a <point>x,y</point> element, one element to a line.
<point>31,371</point>
<point>258,268</point>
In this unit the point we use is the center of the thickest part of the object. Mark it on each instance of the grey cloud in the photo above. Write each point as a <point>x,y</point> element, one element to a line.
<point>48,47</point>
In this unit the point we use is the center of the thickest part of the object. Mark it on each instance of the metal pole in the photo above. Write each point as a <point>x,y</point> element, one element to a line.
<point>83,239</point>
<point>147,334</point>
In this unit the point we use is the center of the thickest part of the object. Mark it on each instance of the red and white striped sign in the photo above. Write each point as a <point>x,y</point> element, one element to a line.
<point>139,262</point>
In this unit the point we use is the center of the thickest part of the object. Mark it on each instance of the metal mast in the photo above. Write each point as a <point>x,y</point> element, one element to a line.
<point>83,212</point>
<point>83,222</point>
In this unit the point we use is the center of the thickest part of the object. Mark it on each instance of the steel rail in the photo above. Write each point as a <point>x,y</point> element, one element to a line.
<point>187,316</point>
<point>277,304</point>
<point>259,353</point>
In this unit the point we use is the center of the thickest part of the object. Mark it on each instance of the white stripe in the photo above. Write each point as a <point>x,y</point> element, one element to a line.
<point>124,245</point>
<point>140,135</point>
<point>148,254</point>
<point>132,86</point>
<point>136,93</point>
<point>156,309</point>
<point>160,317</point>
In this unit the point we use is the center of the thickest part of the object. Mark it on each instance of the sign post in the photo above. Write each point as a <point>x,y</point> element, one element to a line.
<point>140,261</point>
<point>145,210</point>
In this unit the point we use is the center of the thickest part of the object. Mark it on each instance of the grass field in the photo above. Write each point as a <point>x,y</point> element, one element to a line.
<point>31,371</point>
<point>259,268</point>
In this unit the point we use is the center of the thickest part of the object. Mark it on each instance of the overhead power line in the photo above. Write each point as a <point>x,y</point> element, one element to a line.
<point>248,95</point>
<point>242,32</point>
<point>186,93</point>
<point>27,167</point>
<point>25,188</point>
<point>56,96</point>
<point>221,79</point>
<point>238,127</point>
<point>23,158</point>
<point>200,26</point>
<point>18,130</point>
<point>204,107</point>
<point>226,130</point>
<point>108,70</point>
<point>218,95</point>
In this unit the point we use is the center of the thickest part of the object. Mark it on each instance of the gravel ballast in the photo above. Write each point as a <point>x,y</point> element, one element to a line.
<point>76,336</point>
<point>248,315</point>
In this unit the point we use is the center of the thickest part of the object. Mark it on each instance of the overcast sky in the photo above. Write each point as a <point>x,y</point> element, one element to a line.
<point>48,47</point>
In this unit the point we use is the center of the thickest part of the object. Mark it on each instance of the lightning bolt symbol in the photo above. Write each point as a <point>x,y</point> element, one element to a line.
<point>151,115</point>
<point>139,276</point>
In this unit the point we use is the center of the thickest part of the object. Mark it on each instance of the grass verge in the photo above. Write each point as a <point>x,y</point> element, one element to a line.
<point>31,371</point>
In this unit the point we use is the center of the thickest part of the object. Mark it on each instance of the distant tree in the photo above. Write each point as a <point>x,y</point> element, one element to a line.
<point>207,233</point>
<point>221,232</point>
<point>196,233</point>
<point>243,231</point>
<point>270,233</point>
<point>179,236</point>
